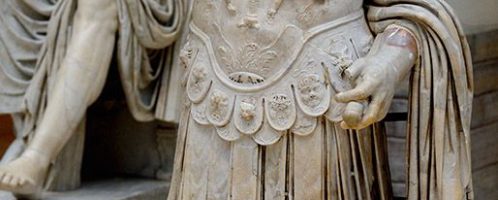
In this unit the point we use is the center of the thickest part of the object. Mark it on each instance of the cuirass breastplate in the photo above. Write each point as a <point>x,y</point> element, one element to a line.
<point>262,68</point>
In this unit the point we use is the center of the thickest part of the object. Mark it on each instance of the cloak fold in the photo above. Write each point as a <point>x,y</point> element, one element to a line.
<point>147,31</point>
<point>441,90</point>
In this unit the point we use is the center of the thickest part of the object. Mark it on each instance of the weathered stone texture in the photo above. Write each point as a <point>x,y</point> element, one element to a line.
<point>113,189</point>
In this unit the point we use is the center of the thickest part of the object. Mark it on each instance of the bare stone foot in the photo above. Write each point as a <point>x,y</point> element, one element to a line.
<point>24,175</point>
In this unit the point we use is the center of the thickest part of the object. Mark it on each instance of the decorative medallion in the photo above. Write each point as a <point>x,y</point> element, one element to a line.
<point>198,78</point>
<point>281,111</point>
<point>248,114</point>
<point>310,90</point>
<point>312,94</point>
<point>248,109</point>
<point>219,108</point>
<point>198,84</point>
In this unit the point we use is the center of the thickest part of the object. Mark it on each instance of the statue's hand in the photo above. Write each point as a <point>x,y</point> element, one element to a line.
<point>375,78</point>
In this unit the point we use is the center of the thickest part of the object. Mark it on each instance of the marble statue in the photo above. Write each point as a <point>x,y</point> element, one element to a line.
<point>283,99</point>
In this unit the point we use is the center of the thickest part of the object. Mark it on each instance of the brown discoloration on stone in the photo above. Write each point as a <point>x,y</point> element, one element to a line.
<point>400,37</point>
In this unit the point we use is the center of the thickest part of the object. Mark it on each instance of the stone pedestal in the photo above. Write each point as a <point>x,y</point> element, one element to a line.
<point>115,189</point>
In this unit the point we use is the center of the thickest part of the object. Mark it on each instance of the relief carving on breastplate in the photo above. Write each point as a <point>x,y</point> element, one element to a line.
<point>241,58</point>
<point>248,114</point>
<point>219,108</point>
<point>248,109</point>
<point>251,62</point>
<point>198,84</point>
<point>186,57</point>
<point>309,14</point>
<point>187,53</point>
<point>252,15</point>
<point>279,107</point>
<point>312,94</point>
<point>281,111</point>
<point>198,78</point>
<point>230,7</point>
<point>342,52</point>
<point>309,88</point>
<point>339,49</point>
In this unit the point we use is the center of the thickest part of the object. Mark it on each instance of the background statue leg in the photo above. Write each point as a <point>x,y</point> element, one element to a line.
<point>79,82</point>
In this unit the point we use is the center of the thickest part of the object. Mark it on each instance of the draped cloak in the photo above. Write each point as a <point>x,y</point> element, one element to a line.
<point>34,37</point>
<point>440,102</point>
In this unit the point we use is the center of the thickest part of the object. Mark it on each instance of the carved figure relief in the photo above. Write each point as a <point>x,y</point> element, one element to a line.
<point>280,111</point>
<point>251,62</point>
<point>199,83</point>
<point>341,51</point>
<point>248,114</point>
<point>220,108</point>
<point>311,90</point>
<point>248,109</point>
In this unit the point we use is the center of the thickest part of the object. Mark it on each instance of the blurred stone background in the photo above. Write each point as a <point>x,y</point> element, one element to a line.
<point>117,146</point>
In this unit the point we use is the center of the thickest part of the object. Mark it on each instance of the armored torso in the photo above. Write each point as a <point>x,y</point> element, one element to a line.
<point>264,67</point>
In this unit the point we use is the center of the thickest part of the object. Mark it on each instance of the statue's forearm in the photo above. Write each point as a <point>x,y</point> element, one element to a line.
<point>398,47</point>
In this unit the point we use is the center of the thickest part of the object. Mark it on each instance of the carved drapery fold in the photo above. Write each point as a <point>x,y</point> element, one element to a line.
<point>441,90</point>
<point>147,30</point>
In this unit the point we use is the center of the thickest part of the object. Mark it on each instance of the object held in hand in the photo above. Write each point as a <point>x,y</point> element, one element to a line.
<point>353,113</point>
